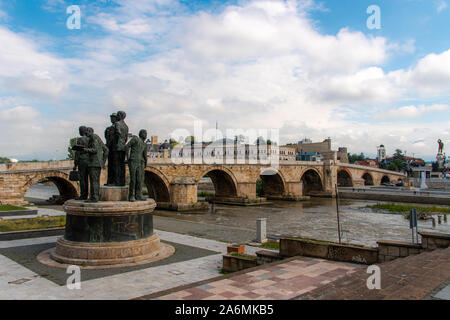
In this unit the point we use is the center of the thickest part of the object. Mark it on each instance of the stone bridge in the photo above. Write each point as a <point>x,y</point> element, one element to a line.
<point>174,186</point>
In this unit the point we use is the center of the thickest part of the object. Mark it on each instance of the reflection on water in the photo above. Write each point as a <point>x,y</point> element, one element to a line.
<point>316,219</point>
<point>41,191</point>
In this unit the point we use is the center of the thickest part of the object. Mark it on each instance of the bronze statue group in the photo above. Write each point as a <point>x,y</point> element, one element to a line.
<point>91,155</point>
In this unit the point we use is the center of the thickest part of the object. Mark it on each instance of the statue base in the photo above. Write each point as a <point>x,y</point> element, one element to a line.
<point>108,234</point>
<point>113,193</point>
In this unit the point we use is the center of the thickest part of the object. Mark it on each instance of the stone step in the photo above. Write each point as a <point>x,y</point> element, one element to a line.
<point>266,256</point>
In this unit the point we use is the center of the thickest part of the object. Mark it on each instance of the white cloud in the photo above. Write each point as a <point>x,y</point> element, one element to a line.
<point>431,75</point>
<point>25,68</point>
<point>410,112</point>
<point>441,6</point>
<point>31,134</point>
<point>260,64</point>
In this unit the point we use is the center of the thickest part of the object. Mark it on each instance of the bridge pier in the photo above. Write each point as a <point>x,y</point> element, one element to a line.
<point>293,192</point>
<point>246,190</point>
<point>183,196</point>
<point>329,173</point>
<point>245,196</point>
<point>358,182</point>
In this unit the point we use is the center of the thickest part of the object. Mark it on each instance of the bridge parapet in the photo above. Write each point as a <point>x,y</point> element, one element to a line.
<point>356,166</point>
<point>177,161</point>
<point>33,166</point>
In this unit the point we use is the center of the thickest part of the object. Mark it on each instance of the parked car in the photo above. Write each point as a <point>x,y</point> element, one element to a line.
<point>399,184</point>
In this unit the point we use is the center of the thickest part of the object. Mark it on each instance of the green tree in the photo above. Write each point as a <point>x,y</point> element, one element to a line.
<point>259,187</point>
<point>399,161</point>
<point>399,155</point>
<point>4,160</point>
<point>352,158</point>
<point>173,142</point>
<point>392,166</point>
<point>70,152</point>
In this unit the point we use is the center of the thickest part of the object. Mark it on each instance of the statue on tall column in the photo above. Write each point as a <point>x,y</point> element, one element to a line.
<point>98,153</point>
<point>137,161</point>
<point>81,162</point>
<point>441,146</point>
<point>113,160</point>
<point>122,136</point>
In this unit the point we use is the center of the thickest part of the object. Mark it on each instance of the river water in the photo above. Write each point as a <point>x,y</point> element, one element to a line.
<point>315,218</point>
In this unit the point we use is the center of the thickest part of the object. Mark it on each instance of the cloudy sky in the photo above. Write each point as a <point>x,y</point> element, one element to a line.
<point>309,68</point>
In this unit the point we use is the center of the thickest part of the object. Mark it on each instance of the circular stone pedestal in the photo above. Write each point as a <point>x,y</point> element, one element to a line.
<point>113,193</point>
<point>109,233</point>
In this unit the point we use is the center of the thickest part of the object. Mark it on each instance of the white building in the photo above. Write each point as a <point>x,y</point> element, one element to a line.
<point>381,154</point>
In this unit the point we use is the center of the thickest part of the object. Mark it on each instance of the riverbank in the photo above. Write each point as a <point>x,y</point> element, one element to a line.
<point>422,211</point>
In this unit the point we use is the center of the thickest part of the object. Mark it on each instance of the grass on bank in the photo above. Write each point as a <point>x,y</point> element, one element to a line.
<point>402,208</point>
<point>10,207</point>
<point>32,223</point>
<point>205,194</point>
<point>243,255</point>
<point>271,245</point>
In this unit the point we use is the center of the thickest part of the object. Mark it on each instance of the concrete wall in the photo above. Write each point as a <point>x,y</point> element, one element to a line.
<point>389,250</point>
<point>431,241</point>
<point>290,247</point>
<point>232,263</point>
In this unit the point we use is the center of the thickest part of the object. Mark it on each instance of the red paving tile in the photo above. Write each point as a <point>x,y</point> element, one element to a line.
<point>279,281</point>
<point>252,295</point>
<point>228,294</point>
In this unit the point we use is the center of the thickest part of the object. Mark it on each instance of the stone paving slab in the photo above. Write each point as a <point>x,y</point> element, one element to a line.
<point>277,281</point>
<point>444,294</point>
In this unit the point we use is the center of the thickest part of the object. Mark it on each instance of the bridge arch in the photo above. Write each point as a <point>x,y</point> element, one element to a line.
<point>67,189</point>
<point>225,183</point>
<point>312,181</point>
<point>344,178</point>
<point>273,183</point>
<point>157,185</point>
<point>368,179</point>
<point>385,179</point>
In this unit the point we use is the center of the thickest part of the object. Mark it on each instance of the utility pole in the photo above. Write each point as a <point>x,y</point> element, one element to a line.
<point>337,213</point>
